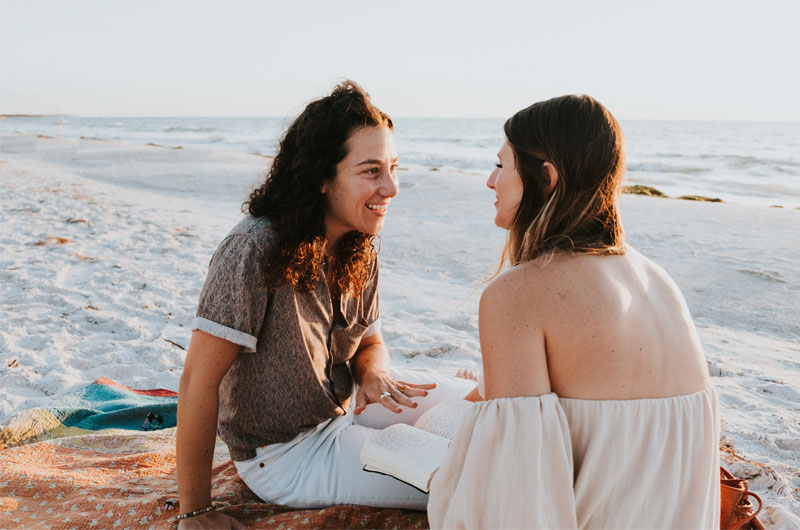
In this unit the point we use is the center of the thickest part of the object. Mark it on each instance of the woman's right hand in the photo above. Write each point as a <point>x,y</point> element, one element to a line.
<point>210,521</point>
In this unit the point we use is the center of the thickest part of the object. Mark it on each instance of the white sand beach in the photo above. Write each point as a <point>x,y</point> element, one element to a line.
<point>104,247</point>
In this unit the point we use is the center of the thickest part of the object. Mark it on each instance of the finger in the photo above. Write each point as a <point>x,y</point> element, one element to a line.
<point>390,403</point>
<point>414,390</point>
<point>404,399</point>
<point>361,402</point>
<point>422,386</point>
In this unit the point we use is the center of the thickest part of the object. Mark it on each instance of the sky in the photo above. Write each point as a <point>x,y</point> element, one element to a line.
<point>698,60</point>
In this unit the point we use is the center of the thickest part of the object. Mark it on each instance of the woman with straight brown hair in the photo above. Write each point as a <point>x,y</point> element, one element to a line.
<point>598,409</point>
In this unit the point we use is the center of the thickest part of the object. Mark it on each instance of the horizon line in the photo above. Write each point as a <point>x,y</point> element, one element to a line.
<point>21,115</point>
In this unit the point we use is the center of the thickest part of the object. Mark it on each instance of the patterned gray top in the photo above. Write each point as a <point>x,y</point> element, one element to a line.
<point>291,374</point>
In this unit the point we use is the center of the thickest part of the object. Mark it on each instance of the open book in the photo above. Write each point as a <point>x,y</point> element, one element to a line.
<point>414,453</point>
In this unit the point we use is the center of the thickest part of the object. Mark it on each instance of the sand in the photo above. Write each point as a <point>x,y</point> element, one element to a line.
<point>103,254</point>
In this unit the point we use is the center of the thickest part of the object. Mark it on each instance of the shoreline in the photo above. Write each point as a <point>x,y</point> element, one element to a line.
<point>102,279</point>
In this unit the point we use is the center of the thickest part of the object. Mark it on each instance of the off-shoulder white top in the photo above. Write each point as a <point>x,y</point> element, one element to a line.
<point>550,462</point>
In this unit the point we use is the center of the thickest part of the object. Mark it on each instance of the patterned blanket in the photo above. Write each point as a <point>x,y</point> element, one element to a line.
<point>104,457</point>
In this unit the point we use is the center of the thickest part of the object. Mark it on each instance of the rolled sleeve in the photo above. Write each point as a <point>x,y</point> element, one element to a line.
<point>371,302</point>
<point>234,298</point>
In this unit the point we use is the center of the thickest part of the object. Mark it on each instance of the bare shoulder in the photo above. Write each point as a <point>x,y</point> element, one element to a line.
<point>645,263</point>
<point>618,328</point>
<point>651,273</point>
<point>503,288</point>
<point>520,285</point>
<point>512,339</point>
<point>500,300</point>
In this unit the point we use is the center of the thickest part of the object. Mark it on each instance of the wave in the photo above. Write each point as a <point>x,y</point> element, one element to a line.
<point>189,129</point>
<point>774,276</point>
<point>460,141</point>
<point>746,161</point>
<point>427,160</point>
<point>660,167</point>
<point>746,164</point>
<point>731,162</point>
<point>760,189</point>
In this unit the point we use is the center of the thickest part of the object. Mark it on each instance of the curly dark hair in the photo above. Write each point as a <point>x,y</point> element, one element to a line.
<point>291,195</point>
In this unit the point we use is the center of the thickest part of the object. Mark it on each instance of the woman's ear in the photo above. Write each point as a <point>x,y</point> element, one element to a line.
<point>551,174</point>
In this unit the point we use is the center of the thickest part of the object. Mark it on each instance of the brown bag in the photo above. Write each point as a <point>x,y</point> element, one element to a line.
<point>736,510</point>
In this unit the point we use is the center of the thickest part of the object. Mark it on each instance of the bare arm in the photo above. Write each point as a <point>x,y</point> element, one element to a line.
<point>370,367</point>
<point>371,355</point>
<point>207,361</point>
<point>512,342</point>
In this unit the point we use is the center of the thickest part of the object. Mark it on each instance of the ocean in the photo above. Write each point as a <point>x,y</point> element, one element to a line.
<point>740,162</point>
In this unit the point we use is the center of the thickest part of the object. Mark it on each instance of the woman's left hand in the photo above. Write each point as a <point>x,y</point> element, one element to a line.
<point>379,387</point>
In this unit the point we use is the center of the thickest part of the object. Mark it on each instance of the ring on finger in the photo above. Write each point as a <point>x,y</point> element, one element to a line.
<point>402,389</point>
<point>385,394</point>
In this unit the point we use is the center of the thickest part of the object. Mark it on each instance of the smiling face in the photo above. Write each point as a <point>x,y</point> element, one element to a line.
<point>365,182</point>
<point>507,186</point>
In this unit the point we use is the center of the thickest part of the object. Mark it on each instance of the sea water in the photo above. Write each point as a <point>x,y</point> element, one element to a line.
<point>741,162</point>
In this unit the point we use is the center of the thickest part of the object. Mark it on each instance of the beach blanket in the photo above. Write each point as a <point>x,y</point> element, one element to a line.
<point>104,457</point>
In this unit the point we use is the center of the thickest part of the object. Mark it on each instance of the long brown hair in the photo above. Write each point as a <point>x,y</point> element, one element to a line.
<point>291,195</point>
<point>584,142</point>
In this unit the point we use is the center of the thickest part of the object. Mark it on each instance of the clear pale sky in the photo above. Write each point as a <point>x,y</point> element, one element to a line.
<point>734,60</point>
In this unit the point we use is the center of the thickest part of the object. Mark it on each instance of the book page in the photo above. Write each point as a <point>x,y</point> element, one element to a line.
<point>406,453</point>
<point>444,419</point>
<point>401,438</point>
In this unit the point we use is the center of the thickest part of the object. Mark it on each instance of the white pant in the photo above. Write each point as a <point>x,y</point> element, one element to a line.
<point>322,467</point>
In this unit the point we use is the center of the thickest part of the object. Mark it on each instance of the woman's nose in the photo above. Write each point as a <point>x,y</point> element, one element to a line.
<point>492,179</point>
<point>389,187</point>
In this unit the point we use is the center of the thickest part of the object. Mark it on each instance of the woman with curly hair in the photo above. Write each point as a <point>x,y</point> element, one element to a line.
<point>288,324</point>
<point>599,410</point>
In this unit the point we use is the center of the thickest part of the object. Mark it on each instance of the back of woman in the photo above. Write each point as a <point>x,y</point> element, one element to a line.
<point>598,411</point>
<point>617,328</point>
